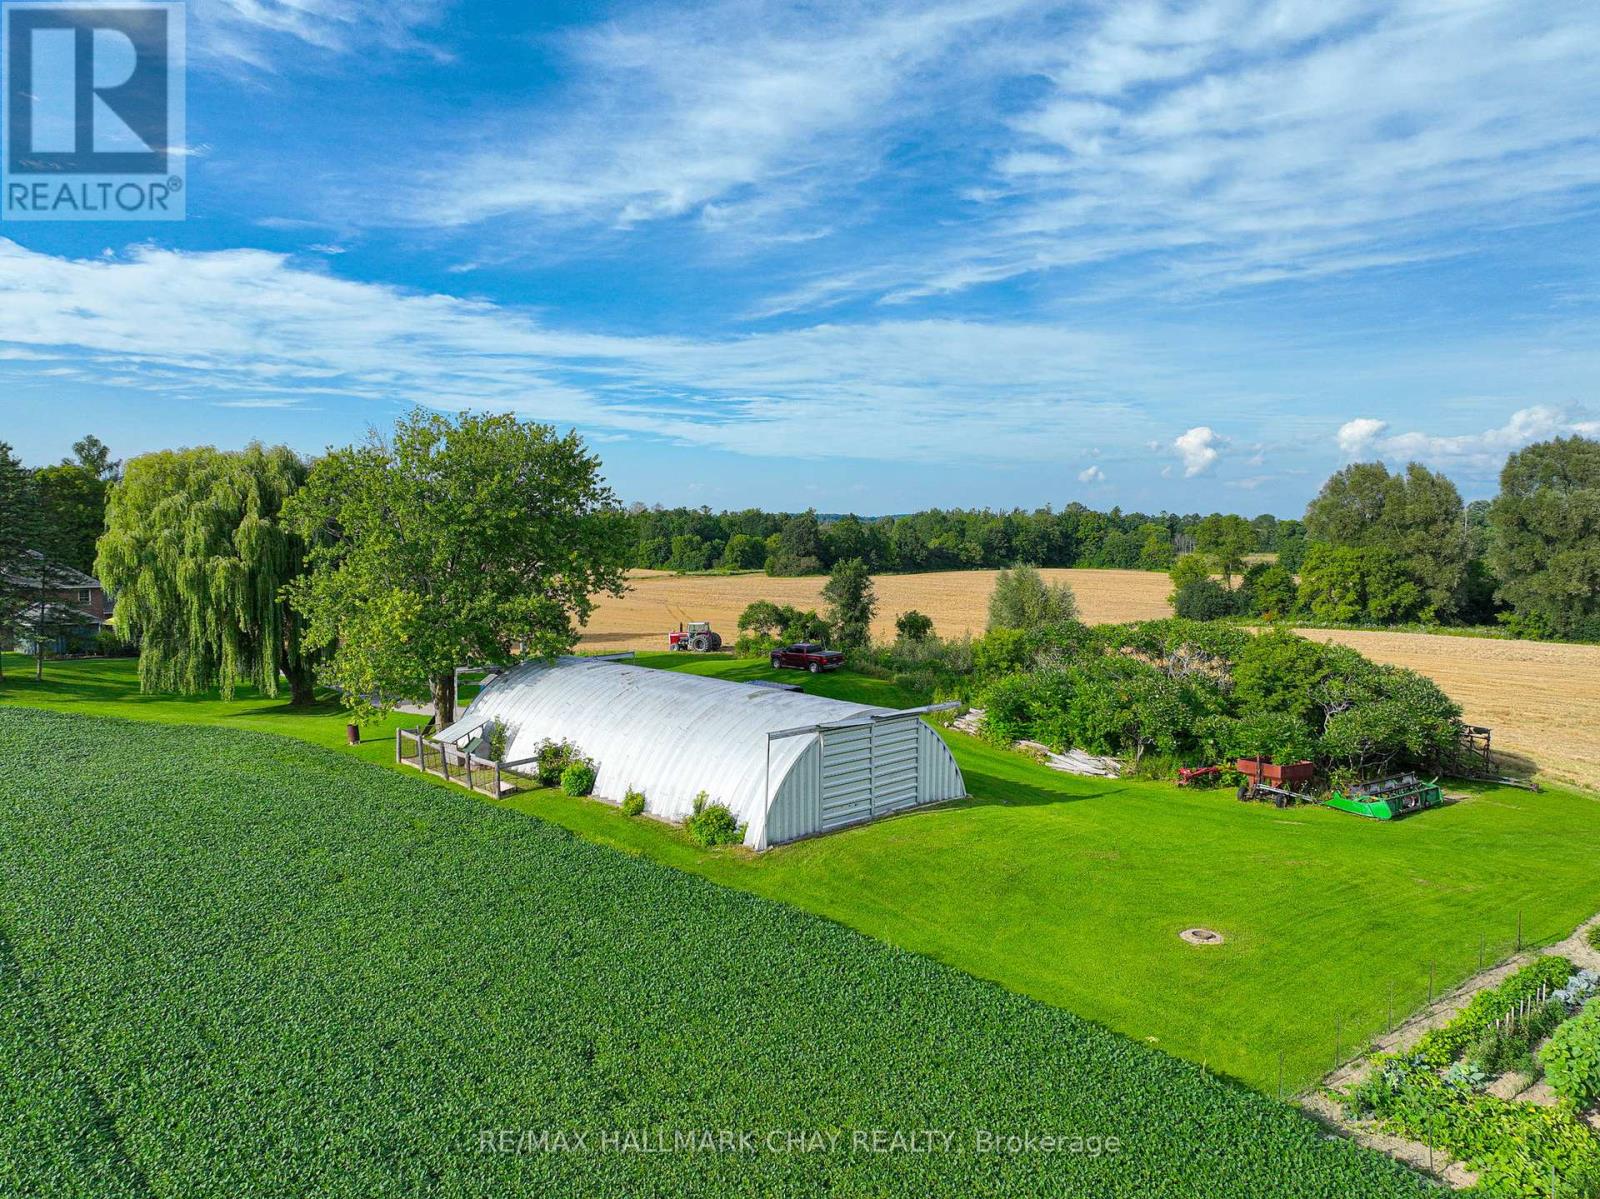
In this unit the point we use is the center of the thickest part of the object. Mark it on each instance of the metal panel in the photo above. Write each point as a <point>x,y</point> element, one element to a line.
<point>895,754</point>
<point>846,775</point>
<point>938,776</point>
<point>663,732</point>
<point>797,803</point>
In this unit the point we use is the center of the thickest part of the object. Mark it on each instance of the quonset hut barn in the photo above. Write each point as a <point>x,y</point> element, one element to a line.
<point>787,765</point>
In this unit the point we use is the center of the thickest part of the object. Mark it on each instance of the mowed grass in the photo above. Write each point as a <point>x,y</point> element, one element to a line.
<point>235,965</point>
<point>1073,891</point>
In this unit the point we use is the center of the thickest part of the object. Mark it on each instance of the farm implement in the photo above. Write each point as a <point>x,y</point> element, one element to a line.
<point>1388,798</point>
<point>1278,783</point>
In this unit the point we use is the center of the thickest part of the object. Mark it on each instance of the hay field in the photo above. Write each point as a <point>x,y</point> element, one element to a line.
<point>1541,699</point>
<point>958,601</point>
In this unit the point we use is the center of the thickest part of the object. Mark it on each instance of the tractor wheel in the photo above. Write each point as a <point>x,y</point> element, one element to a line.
<point>701,643</point>
<point>716,641</point>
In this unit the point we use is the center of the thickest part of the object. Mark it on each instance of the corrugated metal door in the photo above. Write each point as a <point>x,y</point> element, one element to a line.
<point>894,763</point>
<point>846,775</point>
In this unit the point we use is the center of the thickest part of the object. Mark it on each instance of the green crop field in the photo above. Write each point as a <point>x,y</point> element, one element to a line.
<point>237,965</point>
<point>1073,890</point>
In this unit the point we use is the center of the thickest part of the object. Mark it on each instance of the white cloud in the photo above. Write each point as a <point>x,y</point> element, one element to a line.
<point>1197,449</point>
<point>246,327</point>
<point>1356,436</point>
<point>677,112</point>
<point>1091,474</point>
<point>1479,452</point>
<point>254,32</point>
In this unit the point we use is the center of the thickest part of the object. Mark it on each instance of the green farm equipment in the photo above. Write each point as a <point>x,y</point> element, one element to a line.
<point>1388,798</point>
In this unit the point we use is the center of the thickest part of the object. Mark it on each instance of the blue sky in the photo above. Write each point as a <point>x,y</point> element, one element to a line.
<point>867,257</point>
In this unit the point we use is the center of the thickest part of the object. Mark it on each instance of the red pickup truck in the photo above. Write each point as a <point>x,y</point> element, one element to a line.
<point>805,655</point>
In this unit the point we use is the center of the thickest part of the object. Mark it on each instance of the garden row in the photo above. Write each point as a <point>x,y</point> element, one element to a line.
<point>1543,1019</point>
<point>267,969</point>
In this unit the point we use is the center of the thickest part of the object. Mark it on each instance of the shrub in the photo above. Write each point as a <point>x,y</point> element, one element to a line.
<point>633,802</point>
<point>552,758</point>
<point>913,626</point>
<point>1594,937</point>
<point>1023,600</point>
<point>578,779</point>
<point>497,741</point>
<point>999,652</point>
<point>1571,1058</point>
<point>712,824</point>
<point>1205,599</point>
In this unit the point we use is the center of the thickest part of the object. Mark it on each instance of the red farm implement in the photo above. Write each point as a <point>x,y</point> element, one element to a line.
<point>1280,783</point>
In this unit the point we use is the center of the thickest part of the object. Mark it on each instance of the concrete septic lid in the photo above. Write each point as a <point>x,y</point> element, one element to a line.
<point>1202,936</point>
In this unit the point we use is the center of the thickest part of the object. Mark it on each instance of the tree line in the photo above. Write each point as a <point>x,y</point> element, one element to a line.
<point>805,543</point>
<point>1393,547</point>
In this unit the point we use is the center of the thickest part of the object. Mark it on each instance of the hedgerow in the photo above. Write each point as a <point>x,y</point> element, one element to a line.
<point>265,969</point>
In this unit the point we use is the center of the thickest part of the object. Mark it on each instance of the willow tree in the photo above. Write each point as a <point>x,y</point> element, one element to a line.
<point>461,541</point>
<point>198,556</point>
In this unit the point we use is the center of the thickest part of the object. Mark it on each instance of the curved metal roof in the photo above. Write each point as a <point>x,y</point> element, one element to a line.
<point>666,733</point>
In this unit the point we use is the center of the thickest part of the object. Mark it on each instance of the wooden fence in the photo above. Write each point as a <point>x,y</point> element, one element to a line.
<point>457,765</point>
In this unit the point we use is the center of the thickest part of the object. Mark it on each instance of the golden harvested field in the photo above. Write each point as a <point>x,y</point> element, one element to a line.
<point>958,601</point>
<point>1541,699</point>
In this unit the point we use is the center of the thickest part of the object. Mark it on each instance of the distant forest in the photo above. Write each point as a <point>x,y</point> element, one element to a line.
<point>939,539</point>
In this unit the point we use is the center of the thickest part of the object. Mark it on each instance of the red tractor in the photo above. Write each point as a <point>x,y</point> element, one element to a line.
<point>696,636</point>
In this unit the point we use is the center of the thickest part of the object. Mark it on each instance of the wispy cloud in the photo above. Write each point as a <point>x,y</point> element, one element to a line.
<point>739,111</point>
<point>1192,145</point>
<point>247,328</point>
<point>255,32</point>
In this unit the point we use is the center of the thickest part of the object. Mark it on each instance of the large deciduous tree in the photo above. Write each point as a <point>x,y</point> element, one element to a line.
<point>72,499</point>
<point>1225,540</point>
<point>851,604</point>
<point>456,541</point>
<point>1545,537</point>
<point>1416,517</point>
<point>198,555</point>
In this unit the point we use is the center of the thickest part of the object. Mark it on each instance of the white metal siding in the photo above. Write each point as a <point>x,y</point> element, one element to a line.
<point>671,735</point>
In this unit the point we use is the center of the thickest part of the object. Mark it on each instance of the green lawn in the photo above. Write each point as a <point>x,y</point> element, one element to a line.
<point>1073,890</point>
<point>239,966</point>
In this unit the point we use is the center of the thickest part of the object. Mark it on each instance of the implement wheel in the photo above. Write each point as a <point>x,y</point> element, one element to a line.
<point>1245,792</point>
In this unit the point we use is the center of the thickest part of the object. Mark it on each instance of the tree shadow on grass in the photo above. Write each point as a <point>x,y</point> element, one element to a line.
<point>991,789</point>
